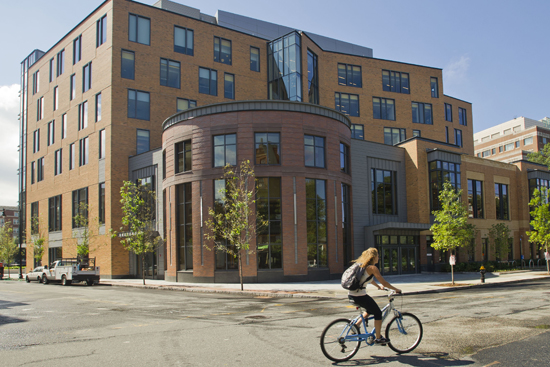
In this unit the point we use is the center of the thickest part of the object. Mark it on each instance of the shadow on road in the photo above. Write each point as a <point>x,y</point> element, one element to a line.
<point>6,319</point>
<point>421,360</point>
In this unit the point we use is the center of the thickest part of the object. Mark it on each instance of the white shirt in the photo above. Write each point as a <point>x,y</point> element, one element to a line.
<point>363,290</point>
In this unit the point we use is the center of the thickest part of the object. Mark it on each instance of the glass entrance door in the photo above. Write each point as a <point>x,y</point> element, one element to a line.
<point>390,260</point>
<point>398,254</point>
<point>151,270</point>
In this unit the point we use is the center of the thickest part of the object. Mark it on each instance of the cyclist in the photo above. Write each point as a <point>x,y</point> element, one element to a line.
<point>368,259</point>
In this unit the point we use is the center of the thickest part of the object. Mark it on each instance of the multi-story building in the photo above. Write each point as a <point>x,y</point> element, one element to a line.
<point>10,215</point>
<point>351,150</point>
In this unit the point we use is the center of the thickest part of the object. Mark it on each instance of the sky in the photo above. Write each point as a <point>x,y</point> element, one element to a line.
<point>494,53</point>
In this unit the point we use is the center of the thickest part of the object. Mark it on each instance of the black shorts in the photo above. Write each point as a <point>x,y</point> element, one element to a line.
<point>369,304</point>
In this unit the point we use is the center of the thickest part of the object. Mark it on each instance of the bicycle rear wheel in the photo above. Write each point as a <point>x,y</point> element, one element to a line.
<point>333,340</point>
<point>404,333</point>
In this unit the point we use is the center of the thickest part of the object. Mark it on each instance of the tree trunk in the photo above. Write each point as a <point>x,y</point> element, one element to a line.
<point>240,269</point>
<point>453,274</point>
<point>547,264</point>
<point>143,267</point>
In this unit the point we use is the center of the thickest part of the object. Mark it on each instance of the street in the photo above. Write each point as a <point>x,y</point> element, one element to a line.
<point>115,326</point>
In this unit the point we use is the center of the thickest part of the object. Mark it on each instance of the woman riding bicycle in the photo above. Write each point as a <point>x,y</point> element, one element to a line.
<point>367,260</point>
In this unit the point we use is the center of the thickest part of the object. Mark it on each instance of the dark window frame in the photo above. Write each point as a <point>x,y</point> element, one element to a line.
<point>338,105</point>
<point>458,138</point>
<point>349,72</point>
<point>448,112</point>
<point>137,29</point>
<point>268,144</point>
<point>101,31</point>
<point>189,103</point>
<point>218,57</point>
<point>79,196</point>
<point>101,203</point>
<point>55,208</point>
<point>122,69</point>
<point>98,107</point>
<point>84,150</point>
<point>225,86</point>
<point>259,58</point>
<point>77,49</point>
<point>394,78</point>
<point>83,115</point>
<point>102,147</point>
<point>439,171</point>
<point>502,201</point>
<point>391,131</point>
<point>225,145</point>
<point>60,67</point>
<point>183,154</point>
<point>148,141</point>
<point>434,92</point>
<point>87,77</point>
<point>462,117</point>
<point>168,82</point>
<point>210,85</point>
<point>422,108</point>
<point>315,146</point>
<point>475,197</point>
<point>344,158</point>
<point>384,109</point>
<point>134,114</point>
<point>318,220</point>
<point>384,188</point>
<point>187,51</point>
<point>355,134</point>
<point>267,236</point>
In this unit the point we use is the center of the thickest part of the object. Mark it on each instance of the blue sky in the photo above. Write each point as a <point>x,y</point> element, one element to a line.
<point>494,53</point>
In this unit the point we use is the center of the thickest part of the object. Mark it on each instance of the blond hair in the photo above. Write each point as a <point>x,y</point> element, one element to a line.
<point>367,257</point>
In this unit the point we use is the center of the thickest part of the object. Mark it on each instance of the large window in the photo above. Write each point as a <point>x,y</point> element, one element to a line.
<point>52,69</point>
<point>142,141</point>
<point>36,140</point>
<point>183,156</point>
<point>349,75</point>
<point>314,151</point>
<point>86,77</point>
<point>73,87</point>
<point>422,113</point>
<point>102,144</point>
<point>462,119</point>
<point>383,108</point>
<point>54,213</point>
<point>33,172</point>
<point>35,224</point>
<point>394,81</point>
<point>101,196</point>
<point>312,77</point>
<point>348,104</point>
<point>208,81</point>
<point>393,135</point>
<point>475,199</point>
<point>458,137</point>
<point>222,50</point>
<point>501,201</point>
<point>268,148</point>
<point>440,172</point>
<point>139,29</point>
<point>269,238</point>
<point>60,62</point>
<point>183,40</point>
<point>98,107</point>
<point>55,98</point>
<point>40,169</point>
<point>77,49</point>
<point>39,108</point>
<point>254,59</point>
<point>127,67</point>
<point>225,150</point>
<point>344,158</point>
<point>84,150</point>
<point>72,156</point>
<point>346,223</point>
<point>229,86</point>
<point>170,73</point>
<point>83,115</point>
<point>316,209</point>
<point>183,104</point>
<point>51,132</point>
<point>434,87</point>
<point>448,112</point>
<point>357,131</point>
<point>138,104</point>
<point>101,31</point>
<point>185,226</point>
<point>224,261</point>
<point>58,164</point>
<point>80,204</point>
<point>36,82</point>
<point>284,68</point>
<point>384,191</point>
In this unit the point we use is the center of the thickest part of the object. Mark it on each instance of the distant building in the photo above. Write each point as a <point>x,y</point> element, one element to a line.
<point>10,215</point>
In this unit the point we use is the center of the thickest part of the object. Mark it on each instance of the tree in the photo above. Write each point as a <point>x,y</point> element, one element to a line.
<point>450,229</point>
<point>8,245</point>
<point>542,157</point>
<point>541,220</point>
<point>139,236</point>
<point>232,222</point>
<point>36,240</point>
<point>85,231</point>
<point>471,243</point>
<point>499,235</point>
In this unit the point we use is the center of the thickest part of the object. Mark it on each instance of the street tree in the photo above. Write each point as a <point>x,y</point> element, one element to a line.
<point>8,245</point>
<point>232,222</point>
<point>499,237</point>
<point>36,240</point>
<point>139,235</point>
<point>86,231</point>
<point>541,221</point>
<point>450,229</point>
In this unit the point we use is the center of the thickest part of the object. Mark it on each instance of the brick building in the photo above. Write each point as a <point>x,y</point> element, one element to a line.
<point>133,87</point>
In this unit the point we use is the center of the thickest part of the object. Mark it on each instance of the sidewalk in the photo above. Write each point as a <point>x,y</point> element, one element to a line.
<point>409,284</point>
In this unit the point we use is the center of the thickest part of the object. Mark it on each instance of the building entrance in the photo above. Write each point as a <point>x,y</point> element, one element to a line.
<point>398,254</point>
<point>151,268</point>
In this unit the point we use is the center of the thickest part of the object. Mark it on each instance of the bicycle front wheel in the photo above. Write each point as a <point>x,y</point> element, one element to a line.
<point>404,333</point>
<point>334,344</point>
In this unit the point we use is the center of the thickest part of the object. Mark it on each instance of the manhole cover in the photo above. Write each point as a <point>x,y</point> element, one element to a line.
<point>256,317</point>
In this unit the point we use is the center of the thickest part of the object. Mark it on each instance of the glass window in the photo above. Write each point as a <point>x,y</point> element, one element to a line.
<point>127,65</point>
<point>138,104</point>
<point>501,201</point>
<point>183,156</point>
<point>448,112</point>
<point>64,126</point>
<point>39,108</point>
<point>349,75</point>
<point>142,141</point>
<point>475,199</point>
<point>77,49</point>
<point>458,137</point>
<point>223,260</point>
<point>52,69</point>
<point>40,169</point>
<point>528,141</point>
<point>139,29</point>
<point>55,98</point>
<point>83,115</point>
<point>36,82</point>
<point>54,213</point>
<point>462,116</point>
<point>312,77</point>
<point>184,233</point>
<point>183,40</point>
<point>51,132</point>
<point>84,152</point>
<point>60,62</point>
<point>36,141</point>
<point>102,144</point>
<point>58,164</point>
<point>34,218</point>
<point>208,81</point>
<point>440,172</point>
<point>254,59</point>
<point>73,86</point>
<point>422,113</point>
<point>72,156</point>
<point>383,108</point>
<point>33,171</point>
<point>98,107</point>
<point>80,204</point>
<point>485,153</point>
<point>393,135</point>
<point>316,209</point>
<point>101,196</point>
<point>517,144</point>
<point>384,191</point>
<point>395,81</point>
<point>284,68</point>
<point>229,86</point>
<point>348,104</point>
<point>222,50</point>
<point>357,132</point>
<point>101,31</point>
<point>225,150</point>
<point>314,151</point>
<point>493,151</point>
<point>268,148</point>
<point>434,87</point>
<point>169,73</point>
<point>446,134</point>
<point>269,238</point>
<point>86,77</point>
<point>185,104</point>
<point>416,133</point>
<point>509,146</point>
<point>344,158</point>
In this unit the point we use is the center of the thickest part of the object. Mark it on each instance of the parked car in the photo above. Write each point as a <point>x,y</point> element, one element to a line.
<point>35,274</point>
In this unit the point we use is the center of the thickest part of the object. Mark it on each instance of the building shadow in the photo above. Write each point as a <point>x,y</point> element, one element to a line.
<point>4,305</point>
<point>419,360</point>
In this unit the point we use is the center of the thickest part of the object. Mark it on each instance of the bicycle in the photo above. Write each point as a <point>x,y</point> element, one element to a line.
<point>341,339</point>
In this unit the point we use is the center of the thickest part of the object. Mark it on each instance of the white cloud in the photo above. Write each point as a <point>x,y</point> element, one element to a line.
<point>9,140</point>
<point>457,70</point>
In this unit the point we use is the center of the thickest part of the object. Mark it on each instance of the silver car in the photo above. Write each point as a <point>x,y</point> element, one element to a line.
<point>35,274</point>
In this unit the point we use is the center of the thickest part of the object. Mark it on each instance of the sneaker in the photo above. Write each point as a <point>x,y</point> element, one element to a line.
<point>381,341</point>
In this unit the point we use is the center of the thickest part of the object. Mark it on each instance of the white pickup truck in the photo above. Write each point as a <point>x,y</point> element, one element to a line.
<point>68,271</point>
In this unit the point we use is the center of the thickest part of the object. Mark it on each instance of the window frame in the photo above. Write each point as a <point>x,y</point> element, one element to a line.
<point>272,205</point>
<point>462,116</point>
<point>79,196</point>
<point>267,144</point>
<point>98,107</point>
<point>135,116</point>
<point>63,126</point>
<point>421,115</point>
<point>101,203</point>
<point>458,138</point>
<point>349,71</point>
<point>87,77</point>
<point>58,162</point>
<point>402,132</point>
<point>168,81</point>
<point>137,29</point>
<point>218,58</point>
<point>122,69</point>
<point>83,115</point>
<point>189,102</point>
<point>344,158</point>
<point>338,104</point>
<point>84,151</point>
<point>225,86</point>
<point>148,141</point>
<point>259,57</point>
<point>474,198</point>
<point>77,49</point>
<point>101,31</point>
<point>181,155</point>
<point>448,112</point>
<point>209,81</point>
<point>502,211</point>
<point>354,131</point>
<point>434,92</point>
<point>56,98</point>
<point>51,132</point>
<point>225,145</point>
<point>102,148</point>
<point>72,91</point>
<point>319,204</point>
<point>186,30</point>
<point>392,74</point>
<point>315,146</point>
<point>72,156</point>
<point>375,186</point>
<point>60,67</point>
<point>383,102</point>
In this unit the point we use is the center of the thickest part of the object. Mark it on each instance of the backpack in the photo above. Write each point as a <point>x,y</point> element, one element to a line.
<point>351,279</point>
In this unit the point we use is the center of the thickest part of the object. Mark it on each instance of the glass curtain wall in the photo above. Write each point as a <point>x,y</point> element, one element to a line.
<point>316,207</point>
<point>312,78</point>
<point>185,226</point>
<point>284,70</point>
<point>269,238</point>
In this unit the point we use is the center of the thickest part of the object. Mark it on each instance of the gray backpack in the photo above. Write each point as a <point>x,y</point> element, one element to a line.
<point>351,279</point>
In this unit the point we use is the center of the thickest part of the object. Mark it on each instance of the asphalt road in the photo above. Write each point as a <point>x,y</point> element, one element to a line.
<point>115,326</point>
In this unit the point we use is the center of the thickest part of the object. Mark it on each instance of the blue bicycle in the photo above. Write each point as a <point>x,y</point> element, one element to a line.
<point>341,339</point>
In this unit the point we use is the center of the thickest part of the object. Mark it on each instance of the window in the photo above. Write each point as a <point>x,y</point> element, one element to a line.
<point>223,261</point>
<point>394,135</point>
<point>422,113</point>
<point>225,150</point>
<point>36,82</point>
<point>101,195</point>
<point>314,151</point>
<point>52,69</point>
<point>183,156</point>
<point>349,75</point>
<point>39,108</point>
<point>139,29</point>
<point>501,201</point>
<point>222,50</point>
<point>316,209</point>
<point>184,232</point>
<point>170,73</point>
<point>448,112</point>
<point>98,107</point>
<point>394,81</point>
<point>384,191</point>
<point>229,86</point>
<point>254,59</point>
<point>458,137</point>
<point>284,67</point>
<point>164,165</point>
<point>138,104</point>
<point>77,49</point>
<point>348,104</point>
<point>517,144</point>
<point>312,77</point>
<point>269,238</point>
<point>54,213</point>
<point>183,40</point>
<point>102,144</point>
<point>500,149</point>
<point>268,148</point>
<point>493,151</point>
<point>34,218</point>
<point>51,132</point>
<point>416,133</point>
<point>528,141</point>
<point>86,77</point>
<point>64,126</point>
<point>344,158</point>
<point>508,147</point>
<point>73,86</point>
<point>142,142</point>
<point>462,117</point>
<point>127,65</point>
<point>83,151</point>
<point>434,87</point>
<point>475,199</point>
<point>58,168</point>
<point>101,31</point>
<point>83,115</point>
<point>60,62</point>
<point>185,104</point>
<point>383,108</point>
<point>80,204</point>
<point>346,222</point>
<point>72,156</point>
<point>447,134</point>
<point>440,172</point>
<point>36,141</point>
<point>40,169</point>
<point>357,131</point>
<point>208,81</point>
<point>33,171</point>
<point>55,98</point>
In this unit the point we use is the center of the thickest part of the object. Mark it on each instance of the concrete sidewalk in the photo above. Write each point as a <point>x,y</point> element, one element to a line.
<point>409,284</point>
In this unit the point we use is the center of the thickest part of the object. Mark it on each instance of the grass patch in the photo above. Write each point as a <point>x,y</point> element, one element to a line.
<point>542,327</point>
<point>468,350</point>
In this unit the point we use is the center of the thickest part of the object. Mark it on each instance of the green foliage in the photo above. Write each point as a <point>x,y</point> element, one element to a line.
<point>541,220</point>
<point>8,245</point>
<point>542,157</point>
<point>36,240</point>
<point>83,231</point>
<point>474,267</point>
<point>499,235</point>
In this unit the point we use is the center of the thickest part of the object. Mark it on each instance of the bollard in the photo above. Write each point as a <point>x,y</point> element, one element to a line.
<point>482,272</point>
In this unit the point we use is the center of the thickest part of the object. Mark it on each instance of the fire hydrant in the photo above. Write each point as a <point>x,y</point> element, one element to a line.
<point>482,272</point>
